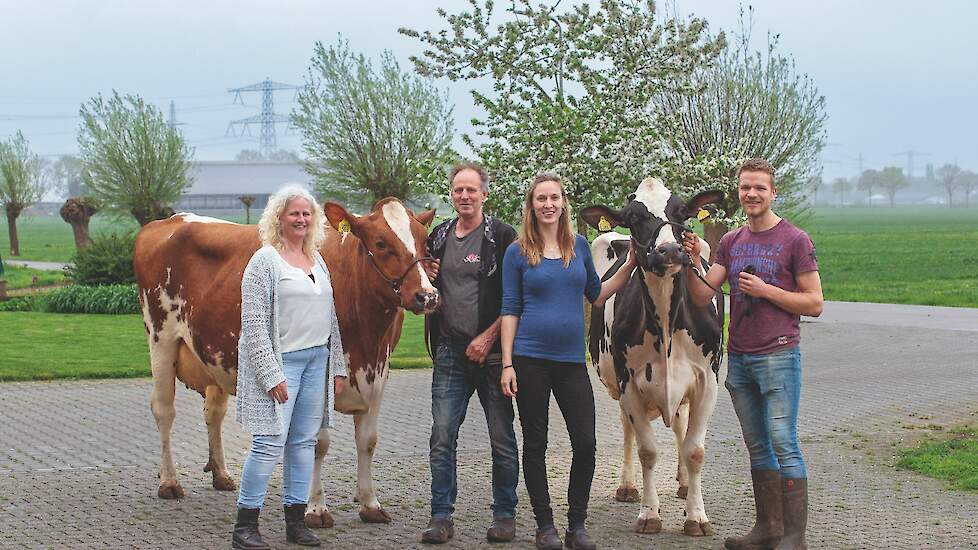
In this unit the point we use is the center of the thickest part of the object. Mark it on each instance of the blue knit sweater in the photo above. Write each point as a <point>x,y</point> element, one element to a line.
<point>547,299</point>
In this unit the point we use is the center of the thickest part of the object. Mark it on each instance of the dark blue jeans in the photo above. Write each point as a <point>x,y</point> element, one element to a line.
<point>454,380</point>
<point>765,390</point>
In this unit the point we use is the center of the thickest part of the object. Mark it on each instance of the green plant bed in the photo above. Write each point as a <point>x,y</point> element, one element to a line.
<point>23,277</point>
<point>952,458</point>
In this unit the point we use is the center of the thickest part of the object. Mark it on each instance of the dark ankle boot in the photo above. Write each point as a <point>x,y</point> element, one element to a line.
<point>246,535</point>
<point>767,528</point>
<point>295,526</point>
<point>795,499</point>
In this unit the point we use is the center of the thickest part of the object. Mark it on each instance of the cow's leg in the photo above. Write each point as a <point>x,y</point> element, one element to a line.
<point>648,517</point>
<point>317,514</point>
<point>215,406</point>
<point>679,425</point>
<point>365,426</point>
<point>163,355</point>
<point>693,454</point>
<point>627,492</point>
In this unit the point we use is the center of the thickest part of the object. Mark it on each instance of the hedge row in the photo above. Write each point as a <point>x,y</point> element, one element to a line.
<point>105,299</point>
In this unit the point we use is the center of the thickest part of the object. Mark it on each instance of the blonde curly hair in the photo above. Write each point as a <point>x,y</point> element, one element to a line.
<point>270,230</point>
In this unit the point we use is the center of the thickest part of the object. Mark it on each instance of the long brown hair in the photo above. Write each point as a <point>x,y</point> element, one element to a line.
<point>530,238</point>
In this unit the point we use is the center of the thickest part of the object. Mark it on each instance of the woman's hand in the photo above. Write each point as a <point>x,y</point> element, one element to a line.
<point>339,382</point>
<point>508,382</point>
<point>280,393</point>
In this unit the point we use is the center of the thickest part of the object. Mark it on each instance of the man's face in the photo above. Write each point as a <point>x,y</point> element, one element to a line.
<point>467,194</point>
<point>756,192</point>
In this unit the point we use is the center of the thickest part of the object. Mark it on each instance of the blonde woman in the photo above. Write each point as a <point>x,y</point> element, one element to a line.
<point>289,339</point>
<point>546,272</point>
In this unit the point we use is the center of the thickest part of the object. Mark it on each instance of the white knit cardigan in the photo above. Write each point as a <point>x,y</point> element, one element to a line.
<point>259,352</point>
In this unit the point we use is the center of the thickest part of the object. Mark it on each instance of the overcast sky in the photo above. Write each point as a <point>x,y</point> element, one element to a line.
<point>898,75</point>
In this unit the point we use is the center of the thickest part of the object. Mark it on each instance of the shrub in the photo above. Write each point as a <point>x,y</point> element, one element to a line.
<point>107,261</point>
<point>109,299</point>
<point>33,302</point>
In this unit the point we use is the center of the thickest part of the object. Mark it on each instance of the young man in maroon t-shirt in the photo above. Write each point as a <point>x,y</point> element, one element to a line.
<point>773,277</point>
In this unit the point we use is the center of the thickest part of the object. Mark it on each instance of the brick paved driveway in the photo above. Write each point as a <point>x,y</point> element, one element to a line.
<point>78,460</point>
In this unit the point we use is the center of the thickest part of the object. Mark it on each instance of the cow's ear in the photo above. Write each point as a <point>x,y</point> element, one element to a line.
<point>339,218</point>
<point>426,218</point>
<point>601,217</point>
<point>694,204</point>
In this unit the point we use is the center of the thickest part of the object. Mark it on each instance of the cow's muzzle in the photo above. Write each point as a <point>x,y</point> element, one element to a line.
<point>665,257</point>
<point>426,301</point>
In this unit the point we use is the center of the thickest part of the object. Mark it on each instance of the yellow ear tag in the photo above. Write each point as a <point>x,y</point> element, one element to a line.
<point>344,226</point>
<point>604,224</point>
<point>703,214</point>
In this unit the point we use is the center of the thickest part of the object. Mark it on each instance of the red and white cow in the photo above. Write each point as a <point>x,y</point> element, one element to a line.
<point>655,351</point>
<point>189,270</point>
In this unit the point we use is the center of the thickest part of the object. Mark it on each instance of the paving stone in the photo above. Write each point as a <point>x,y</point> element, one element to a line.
<point>79,460</point>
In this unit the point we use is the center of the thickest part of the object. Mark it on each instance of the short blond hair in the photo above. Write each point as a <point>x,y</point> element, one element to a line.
<point>270,230</point>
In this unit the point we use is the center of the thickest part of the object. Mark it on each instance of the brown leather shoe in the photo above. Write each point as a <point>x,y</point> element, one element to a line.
<point>578,539</point>
<point>501,530</point>
<point>548,539</point>
<point>439,531</point>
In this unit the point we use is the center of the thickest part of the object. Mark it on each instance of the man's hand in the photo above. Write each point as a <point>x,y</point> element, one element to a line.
<point>431,268</point>
<point>479,347</point>
<point>280,393</point>
<point>752,285</point>
<point>691,244</point>
<point>339,382</point>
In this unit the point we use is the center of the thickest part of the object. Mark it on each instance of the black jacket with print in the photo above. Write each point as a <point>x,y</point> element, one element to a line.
<point>497,236</point>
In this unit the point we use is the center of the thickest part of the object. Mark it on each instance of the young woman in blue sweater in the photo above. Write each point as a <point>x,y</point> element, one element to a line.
<point>546,272</point>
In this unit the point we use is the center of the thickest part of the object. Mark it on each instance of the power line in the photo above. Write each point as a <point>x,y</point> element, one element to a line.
<point>267,118</point>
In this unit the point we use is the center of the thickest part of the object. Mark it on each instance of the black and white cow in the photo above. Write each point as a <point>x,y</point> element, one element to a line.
<point>655,351</point>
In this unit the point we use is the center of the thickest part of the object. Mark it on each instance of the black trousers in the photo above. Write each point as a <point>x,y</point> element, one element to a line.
<point>570,384</point>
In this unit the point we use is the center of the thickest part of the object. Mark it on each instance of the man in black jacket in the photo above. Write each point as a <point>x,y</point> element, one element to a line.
<point>463,340</point>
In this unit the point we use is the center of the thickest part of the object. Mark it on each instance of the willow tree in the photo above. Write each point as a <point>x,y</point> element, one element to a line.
<point>365,127</point>
<point>891,181</point>
<point>21,183</point>
<point>571,88</point>
<point>747,104</point>
<point>949,179</point>
<point>132,159</point>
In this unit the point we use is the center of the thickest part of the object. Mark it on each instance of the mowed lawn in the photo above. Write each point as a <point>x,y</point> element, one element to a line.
<point>904,255</point>
<point>44,346</point>
<point>50,239</point>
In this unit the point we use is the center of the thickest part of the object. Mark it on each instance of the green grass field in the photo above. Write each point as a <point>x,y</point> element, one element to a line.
<point>44,346</point>
<point>904,255</point>
<point>926,256</point>
<point>952,458</point>
<point>23,277</point>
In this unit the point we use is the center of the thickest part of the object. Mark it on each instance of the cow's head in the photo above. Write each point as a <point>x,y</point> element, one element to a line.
<point>393,239</point>
<point>656,219</point>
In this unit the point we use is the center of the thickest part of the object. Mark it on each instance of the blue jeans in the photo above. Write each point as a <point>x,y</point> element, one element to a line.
<point>302,414</point>
<point>454,380</point>
<point>765,390</point>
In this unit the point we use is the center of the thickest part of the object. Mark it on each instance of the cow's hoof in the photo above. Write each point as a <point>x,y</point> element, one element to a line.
<point>374,515</point>
<point>626,494</point>
<point>697,529</point>
<point>319,520</point>
<point>223,482</point>
<point>170,490</point>
<point>682,492</point>
<point>648,526</point>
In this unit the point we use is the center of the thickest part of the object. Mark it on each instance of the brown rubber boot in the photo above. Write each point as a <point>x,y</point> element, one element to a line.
<point>767,528</point>
<point>795,498</point>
